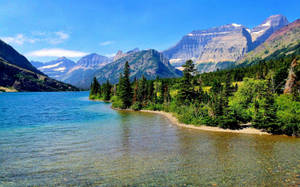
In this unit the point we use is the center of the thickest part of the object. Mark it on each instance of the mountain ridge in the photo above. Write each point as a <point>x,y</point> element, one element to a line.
<point>226,43</point>
<point>149,63</point>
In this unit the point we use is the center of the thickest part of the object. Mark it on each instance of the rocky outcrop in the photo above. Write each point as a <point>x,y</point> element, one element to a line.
<point>292,80</point>
<point>120,53</point>
<point>149,63</point>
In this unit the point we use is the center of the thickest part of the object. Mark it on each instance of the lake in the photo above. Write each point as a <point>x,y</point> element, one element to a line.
<point>62,138</point>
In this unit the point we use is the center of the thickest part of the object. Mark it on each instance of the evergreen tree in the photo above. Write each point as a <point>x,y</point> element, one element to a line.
<point>186,91</point>
<point>125,87</point>
<point>107,90</point>
<point>265,111</point>
<point>142,90</point>
<point>135,91</point>
<point>217,100</point>
<point>150,90</point>
<point>161,91</point>
<point>95,88</point>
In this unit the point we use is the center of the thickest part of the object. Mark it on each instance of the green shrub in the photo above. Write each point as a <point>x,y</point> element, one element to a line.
<point>136,106</point>
<point>117,102</point>
<point>288,113</point>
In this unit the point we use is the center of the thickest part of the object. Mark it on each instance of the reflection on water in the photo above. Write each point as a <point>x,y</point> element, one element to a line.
<point>64,139</point>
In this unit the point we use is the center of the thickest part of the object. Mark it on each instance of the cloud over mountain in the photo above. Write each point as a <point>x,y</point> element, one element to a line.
<point>56,52</point>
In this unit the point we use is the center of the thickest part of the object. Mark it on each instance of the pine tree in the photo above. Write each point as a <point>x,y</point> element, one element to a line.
<point>216,100</point>
<point>186,91</point>
<point>142,90</point>
<point>150,90</point>
<point>265,112</point>
<point>125,87</point>
<point>162,91</point>
<point>135,91</point>
<point>95,88</point>
<point>107,90</point>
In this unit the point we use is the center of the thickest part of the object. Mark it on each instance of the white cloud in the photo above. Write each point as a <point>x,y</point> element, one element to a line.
<point>48,37</point>
<point>56,53</point>
<point>18,39</point>
<point>58,37</point>
<point>107,43</point>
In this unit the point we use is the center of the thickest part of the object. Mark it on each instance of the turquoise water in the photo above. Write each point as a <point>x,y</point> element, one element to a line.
<point>66,140</point>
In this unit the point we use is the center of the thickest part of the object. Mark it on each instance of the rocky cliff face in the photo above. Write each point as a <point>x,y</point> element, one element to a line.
<point>292,83</point>
<point>149,63</point>
<point>219,44</point>
<point>227,43</point>
<point>263,31</point>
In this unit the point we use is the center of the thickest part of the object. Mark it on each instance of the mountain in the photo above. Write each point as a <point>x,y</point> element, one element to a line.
<point>18,74</point>
<point>262,32</point>
<point>55,69</point>
<point>80,75</point>
<point>149,63</point>
<point>37,64</point>
<point>93,61</point>
<point>10,55</point>
<point>120,53</point>
<point>284,41</point>
<point>220,47</point>
<point>219,44</point>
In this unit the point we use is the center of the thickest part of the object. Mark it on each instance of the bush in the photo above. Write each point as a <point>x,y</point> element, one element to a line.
<point>117,102</point>
<point>242,103</point>
<point>136,106</point>
<point>288,113</point>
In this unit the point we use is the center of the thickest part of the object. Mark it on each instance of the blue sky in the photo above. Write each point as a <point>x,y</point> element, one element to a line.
<point>45,29</point>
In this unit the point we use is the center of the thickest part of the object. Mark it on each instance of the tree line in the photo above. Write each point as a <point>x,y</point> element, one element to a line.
<point>227,99</point>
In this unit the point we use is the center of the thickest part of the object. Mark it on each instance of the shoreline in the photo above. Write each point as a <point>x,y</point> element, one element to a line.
<point>174,120</point>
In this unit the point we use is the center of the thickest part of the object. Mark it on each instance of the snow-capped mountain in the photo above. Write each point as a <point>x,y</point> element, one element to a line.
<point>81,74</point>
<point>218,44</point>
<point>220,47</point>
<point>55,69</point>
<point>262,32</point>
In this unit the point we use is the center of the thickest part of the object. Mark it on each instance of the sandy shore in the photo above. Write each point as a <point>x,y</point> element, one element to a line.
<point>173,119</point>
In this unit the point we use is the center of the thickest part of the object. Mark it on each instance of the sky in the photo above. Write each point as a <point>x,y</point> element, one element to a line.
<point>48,29</point>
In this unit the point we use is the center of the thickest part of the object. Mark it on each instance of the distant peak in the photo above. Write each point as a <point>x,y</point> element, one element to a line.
<point>92,55</point>
<point>275,20</point>
<point>236,25</point>
<point>62,58</point>
<point>133,50</point>
<point>276,16</point>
